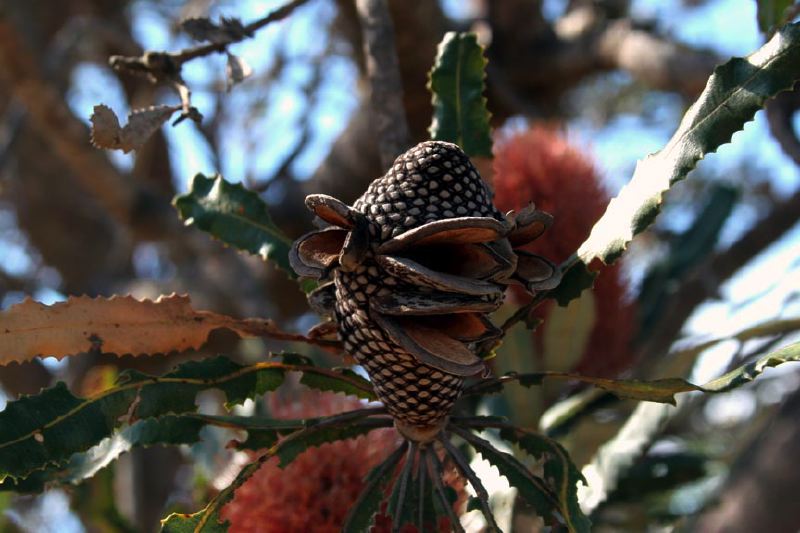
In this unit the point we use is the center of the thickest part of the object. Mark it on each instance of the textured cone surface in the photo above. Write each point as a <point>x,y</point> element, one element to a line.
<point>430,182</point>
<point>425,256</point>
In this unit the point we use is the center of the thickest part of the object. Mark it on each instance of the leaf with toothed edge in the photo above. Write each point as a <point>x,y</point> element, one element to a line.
<point>118,325</point>
<point>45,430</point>
<point>237,217</point>
<point>208,519</point>
<point>560,473</point>
<point>533,489</point>
<point>658,390</point>
<point>360,516</point>
<point>142,124</point>
<point>166,430</point>
<point>735,91</point>
<point>456,80</point>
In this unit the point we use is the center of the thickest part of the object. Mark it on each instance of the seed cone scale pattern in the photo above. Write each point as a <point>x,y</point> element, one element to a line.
<point>410,272</point>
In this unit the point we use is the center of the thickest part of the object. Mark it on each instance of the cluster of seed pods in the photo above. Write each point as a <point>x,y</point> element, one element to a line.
<point>410,273</point>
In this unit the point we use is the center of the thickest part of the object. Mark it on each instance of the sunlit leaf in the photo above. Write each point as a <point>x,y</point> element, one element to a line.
<point>118,325</point>
<point>731,98</point>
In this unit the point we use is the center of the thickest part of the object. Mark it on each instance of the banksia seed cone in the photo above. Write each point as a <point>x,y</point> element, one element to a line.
<point>410,272</point>
<point>540,164</point>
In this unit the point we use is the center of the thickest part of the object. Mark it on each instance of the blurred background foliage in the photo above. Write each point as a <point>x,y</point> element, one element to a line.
<point>579,90</point>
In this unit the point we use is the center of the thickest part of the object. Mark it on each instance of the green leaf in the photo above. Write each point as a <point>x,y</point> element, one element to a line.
<point>346,381</point>
<point>43,431</point>
<point>748,372</point>
<point>456,80</point>
<point>771,14</point>
<point>326,429</point>
<point>559,471</point>
<point>171,430</point>
<point>731,98</point>
<point>299,442</point>
<point>575,280</point>
<point>657,390</point>
<point>533,489</point>
<point>236,216</point>
<point>360,516</point>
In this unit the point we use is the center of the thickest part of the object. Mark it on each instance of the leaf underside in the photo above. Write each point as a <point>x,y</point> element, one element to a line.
<point>733,94</point>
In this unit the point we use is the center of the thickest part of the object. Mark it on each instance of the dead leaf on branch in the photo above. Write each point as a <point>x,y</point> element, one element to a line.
<point>237,70</point>
<point>142,123</point>
<point>120,325</point>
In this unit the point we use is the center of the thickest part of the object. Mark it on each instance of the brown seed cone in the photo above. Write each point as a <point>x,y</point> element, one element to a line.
<point>412,270</point>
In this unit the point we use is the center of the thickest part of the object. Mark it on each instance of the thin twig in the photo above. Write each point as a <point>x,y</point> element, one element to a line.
<point>436,473</point>
<point>383,71</point>
<point>167,66</point>
<point>477,486</point>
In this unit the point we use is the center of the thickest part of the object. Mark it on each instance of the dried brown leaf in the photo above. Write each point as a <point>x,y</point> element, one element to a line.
<point>106,131</point>
<point>237,70</point>
<point>142,123</point>
<point>119,325</point>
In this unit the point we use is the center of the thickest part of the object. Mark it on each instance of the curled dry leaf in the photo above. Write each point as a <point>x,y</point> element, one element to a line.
<point>142,123</point>
<point>237,70</point>
<point>119,325</point>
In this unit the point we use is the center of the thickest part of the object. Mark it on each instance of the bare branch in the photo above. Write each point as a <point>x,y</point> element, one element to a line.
<point>383,71</point>
<point>166,66</point>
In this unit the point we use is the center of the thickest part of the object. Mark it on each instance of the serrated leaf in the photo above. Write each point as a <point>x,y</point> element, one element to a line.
<point>771,14</point>
<point>559,471</point>
<point>208,520</point>
<point>617,455</point>
<point>532,489</point>
<point>118,325</point>
<point>456,80</point>
<point>314,436</point>
<point>235,216</point>
<point>171,430</point>
<point>142,124</point>
<point>735,91</point>
<point>360,516</point>
<point>236,71</point>
<point>346,381</point>
<point>658,390</point>
<point>45,430</point>
<point>106,130</point>
<point>750,371</point>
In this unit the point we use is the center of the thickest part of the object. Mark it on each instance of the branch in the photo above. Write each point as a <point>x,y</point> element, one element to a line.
<point>385,82</point>
<point>167,66</point>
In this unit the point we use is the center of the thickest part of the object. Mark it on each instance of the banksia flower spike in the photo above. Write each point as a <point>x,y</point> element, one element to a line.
<point>409,273</point>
